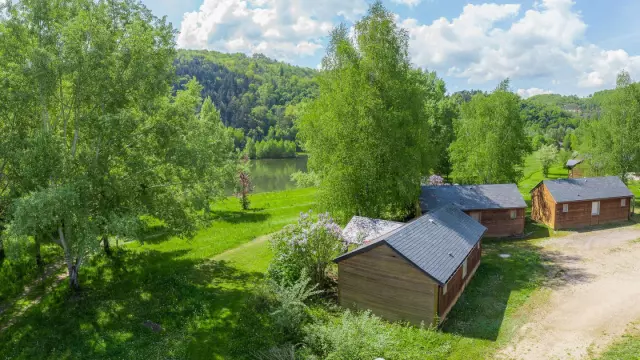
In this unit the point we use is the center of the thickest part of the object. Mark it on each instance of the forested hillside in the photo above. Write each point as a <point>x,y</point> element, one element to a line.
<point>257,95</point>
<point>262,99</point>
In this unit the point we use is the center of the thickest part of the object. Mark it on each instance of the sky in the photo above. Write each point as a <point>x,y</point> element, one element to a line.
<point>543,46</point>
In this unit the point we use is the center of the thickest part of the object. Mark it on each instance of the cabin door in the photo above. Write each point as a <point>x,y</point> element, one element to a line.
<point>595,212</point>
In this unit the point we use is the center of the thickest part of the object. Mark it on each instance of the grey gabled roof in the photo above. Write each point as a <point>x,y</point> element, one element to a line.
<point>472,197</point>
<point>436,243</point>
<point>567,190</point>
<point>572,163</point>
<point>362,229</point>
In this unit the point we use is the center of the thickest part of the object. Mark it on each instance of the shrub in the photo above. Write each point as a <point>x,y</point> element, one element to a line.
<point>547,155</point>
<point>275,149</point>
<point>354,336</point>
<point>306,247</point>
<point>305,179</point>
<point>290,309</point>
<point>284,352</point>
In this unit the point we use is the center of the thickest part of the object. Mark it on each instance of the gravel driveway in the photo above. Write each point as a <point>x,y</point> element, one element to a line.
<point>594,297</point>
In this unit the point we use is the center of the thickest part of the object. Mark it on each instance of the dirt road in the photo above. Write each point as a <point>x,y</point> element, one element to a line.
<point>595,296</point>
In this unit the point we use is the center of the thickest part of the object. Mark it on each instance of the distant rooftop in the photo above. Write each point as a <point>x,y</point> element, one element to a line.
<point>436,243</point>
<point>567,190</point>
<point>472,197</point>
<point>572,163</point>
<point>362,229</point>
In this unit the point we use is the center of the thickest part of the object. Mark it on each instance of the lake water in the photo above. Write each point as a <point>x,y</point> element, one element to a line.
<point>275,174</point>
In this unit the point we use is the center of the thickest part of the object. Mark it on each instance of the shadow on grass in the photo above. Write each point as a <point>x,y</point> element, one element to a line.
<point>239,217</point>
<point>197,304</point>
<point>500,282</point>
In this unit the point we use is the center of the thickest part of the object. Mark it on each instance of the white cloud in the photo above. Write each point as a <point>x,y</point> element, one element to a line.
<point>410,3</point>
<point>527,93</point>
<point>285,29</point>
<point>489,42</point>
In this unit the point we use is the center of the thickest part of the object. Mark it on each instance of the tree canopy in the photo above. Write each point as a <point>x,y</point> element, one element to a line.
<point>490,143</point>
<point>368,132</point>
<point>96,139</point>
<point>611,144</point>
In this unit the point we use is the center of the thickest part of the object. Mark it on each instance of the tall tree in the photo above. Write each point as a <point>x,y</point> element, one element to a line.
<point>612,143</point>
<point>490,143</point>
<point>97,140</point>
<point>368,133</point>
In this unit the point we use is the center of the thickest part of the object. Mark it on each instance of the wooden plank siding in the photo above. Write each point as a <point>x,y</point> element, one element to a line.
<point>457,284</point>
<point>546,210</point>
<point>579,214</point>
<point>499,223</point>
<point>384,282</point>
<point>543,206</point>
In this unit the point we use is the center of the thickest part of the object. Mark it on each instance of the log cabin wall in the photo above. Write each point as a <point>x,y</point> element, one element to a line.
<point>384,282</point>
<point>457,283</point>
<point>499,222</point>
<point>543,206</point>
<point>579,213</point>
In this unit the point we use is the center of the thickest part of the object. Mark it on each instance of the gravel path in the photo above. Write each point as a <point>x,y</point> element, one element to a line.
<point>595,296</point>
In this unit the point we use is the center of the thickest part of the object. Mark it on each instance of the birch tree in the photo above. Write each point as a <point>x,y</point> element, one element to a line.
<point>97,139</point>
<point>490,143</point>
<point>367,133</point>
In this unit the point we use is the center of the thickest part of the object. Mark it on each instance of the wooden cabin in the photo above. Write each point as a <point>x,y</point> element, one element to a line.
<point>414,273</point>
<point>576,203</point>
<point>500,208</point>
<point>575,167</point>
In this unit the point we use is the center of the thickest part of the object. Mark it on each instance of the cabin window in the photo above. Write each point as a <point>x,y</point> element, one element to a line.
<point>565,208</point>
<point>444,289</point>
<point>476,216</point>
<point>595,208</point>
<point>623,202</point>
<point>464,269</point>
<point>513,214</point>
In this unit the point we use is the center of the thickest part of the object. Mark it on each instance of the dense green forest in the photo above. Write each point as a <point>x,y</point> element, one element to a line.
<point>259,97</point>
<point>262,100</point>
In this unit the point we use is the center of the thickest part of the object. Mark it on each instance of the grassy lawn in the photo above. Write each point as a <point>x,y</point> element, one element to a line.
<point>627,348</point>
<point>533,175</point>
<point>197,291</point>
<point>178,284</point>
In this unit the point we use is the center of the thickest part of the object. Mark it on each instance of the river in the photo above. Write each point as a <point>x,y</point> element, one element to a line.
<point>275,174</point>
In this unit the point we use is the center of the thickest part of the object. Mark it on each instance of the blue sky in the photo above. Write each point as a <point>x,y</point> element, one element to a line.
<point>560,46</point>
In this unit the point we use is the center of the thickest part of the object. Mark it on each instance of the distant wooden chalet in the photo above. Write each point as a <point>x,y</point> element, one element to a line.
<point>416,272</point>
<point>575,203</point>
<point>500,208</point>
<point>575,168</point>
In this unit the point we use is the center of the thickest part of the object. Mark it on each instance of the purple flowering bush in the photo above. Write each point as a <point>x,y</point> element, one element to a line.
<point>306,247</point>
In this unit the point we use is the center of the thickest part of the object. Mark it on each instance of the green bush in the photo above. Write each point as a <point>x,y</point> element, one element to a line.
<point>290,310</point>
<point>306,247</point>
<point>305,179</point>
<point>275,149</point>
<point>354,336</point>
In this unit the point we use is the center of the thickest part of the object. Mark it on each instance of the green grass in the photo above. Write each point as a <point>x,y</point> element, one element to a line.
<point>197,290</point>
<point>627,348</point>
<point>533,175</point>
<point>187,287</point>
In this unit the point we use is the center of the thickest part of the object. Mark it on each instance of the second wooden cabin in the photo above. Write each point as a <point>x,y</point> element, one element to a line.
<point>576,203</point>
<point>500,208</point>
